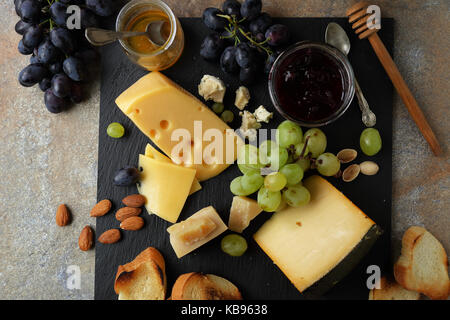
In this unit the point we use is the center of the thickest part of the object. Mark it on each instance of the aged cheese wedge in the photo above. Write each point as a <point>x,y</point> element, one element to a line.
<point>166,187</point>
<point>151,152</point>
<point>195,231</point>
<point>242,211</point>
<point>158,107</point>
<point>318,243</point>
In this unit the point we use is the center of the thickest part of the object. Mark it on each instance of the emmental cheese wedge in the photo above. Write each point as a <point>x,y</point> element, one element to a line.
<point>151,152</point>
<point>319,243</point>
<point>166,187</point>
<point>158,107</point>
<point>195,231</point>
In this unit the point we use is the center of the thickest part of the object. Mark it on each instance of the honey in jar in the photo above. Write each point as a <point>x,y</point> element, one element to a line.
<point>136,16</point>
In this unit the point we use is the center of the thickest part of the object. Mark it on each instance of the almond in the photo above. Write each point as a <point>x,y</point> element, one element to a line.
<point>62,216</point>
<point>110,236</point>
<point>86,239</point>
<point>101,208</point>
<point>132,223</point>
<point>127,212</point>
<point>134,201</point>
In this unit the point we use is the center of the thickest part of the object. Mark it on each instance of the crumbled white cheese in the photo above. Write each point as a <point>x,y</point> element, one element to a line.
<point>242,97</point>
<point>249,125</point>
<point>262,115</point>
<point>212,88</point>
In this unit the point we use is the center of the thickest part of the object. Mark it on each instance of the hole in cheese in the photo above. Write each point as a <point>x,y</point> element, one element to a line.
<point>154,134</point>
<point>164,124</point>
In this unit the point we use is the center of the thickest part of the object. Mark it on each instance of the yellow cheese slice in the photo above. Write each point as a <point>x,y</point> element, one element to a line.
<point>308,242</point>
<point>158,107</point>
<point>166,187</point>
<point>151,152</point>
<point>208,214</point>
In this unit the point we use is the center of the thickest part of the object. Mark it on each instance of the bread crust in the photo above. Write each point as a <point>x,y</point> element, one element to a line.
<point>403,272</point>
<point>205,286</point>
<point>125,272</point>
<point>180,283</point>
<point>391,290</point>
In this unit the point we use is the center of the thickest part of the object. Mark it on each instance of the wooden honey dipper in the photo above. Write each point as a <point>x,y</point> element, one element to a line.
<point>358,17</point>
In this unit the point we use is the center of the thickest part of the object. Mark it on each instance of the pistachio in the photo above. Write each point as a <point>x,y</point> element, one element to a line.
<point>347,155</point>
<point>369,168</point>
<point>351,172</point>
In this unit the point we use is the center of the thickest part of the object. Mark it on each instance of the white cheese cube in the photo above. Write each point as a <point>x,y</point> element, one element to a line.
<point>262,115</point>
<point>242,97</point>
<point>212,88</point>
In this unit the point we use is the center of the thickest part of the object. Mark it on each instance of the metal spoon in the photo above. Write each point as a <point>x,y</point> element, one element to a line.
<point>100,37</point>
<point>337,37</point>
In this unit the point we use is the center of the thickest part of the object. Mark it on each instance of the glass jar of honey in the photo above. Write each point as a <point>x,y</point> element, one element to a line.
<point>136,16</point>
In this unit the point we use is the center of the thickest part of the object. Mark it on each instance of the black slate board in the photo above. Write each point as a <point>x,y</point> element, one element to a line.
<point>254,273</point>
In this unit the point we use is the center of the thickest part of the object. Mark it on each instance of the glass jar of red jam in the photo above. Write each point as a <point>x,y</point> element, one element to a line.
<point>311,84</point>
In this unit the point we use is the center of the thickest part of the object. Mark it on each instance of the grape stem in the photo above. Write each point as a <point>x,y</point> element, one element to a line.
<point>302,155</point>
<point>234,26</point>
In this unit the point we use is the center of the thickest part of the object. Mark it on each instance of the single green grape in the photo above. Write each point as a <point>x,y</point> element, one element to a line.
<point>328,164</point>
<point>236,187</point>
<point>246,168</point>
<point>218,107</point>
<point>296,196</point>
<point>234,245</point>
<point>299,150</point>
<point>289,134</point>
<point>370,141</point>
<point>271,153</point>
<point>227,116</point>
<point>248,155</point>
<point>251,182</point>
<point>265,150</point>
<point>115,130</point>
<point>304,163</point>
<point>317,142</point>
<point>268,200</point>
<point>293,173</point>
<point>275,181</point>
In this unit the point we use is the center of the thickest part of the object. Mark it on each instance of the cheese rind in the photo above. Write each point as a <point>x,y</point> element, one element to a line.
<point>166,107</point>
<point>166,187</point>
<point>307,242</point>
<point>151,152</point>
<point>179,245</point>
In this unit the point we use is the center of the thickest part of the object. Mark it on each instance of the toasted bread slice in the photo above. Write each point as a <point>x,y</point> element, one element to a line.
<point>391,290</point>
<point>198,286</point>
<point>144,278</point>
<point>423,264</point>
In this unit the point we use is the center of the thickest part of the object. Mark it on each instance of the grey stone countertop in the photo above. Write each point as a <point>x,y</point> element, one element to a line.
<point>46,160</point>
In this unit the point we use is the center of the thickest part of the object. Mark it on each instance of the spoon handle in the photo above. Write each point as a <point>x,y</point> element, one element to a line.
<point>368,117</point>
<point>100,37</point>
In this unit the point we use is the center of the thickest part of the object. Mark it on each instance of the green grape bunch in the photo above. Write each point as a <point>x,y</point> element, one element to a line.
<point>275,169</point>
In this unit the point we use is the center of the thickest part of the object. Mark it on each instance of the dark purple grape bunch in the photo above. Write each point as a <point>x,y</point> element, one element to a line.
<point>244,40</point>
<point>60,56</point>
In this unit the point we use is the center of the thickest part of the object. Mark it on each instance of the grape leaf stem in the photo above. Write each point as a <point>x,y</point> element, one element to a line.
<point>233,26</point>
